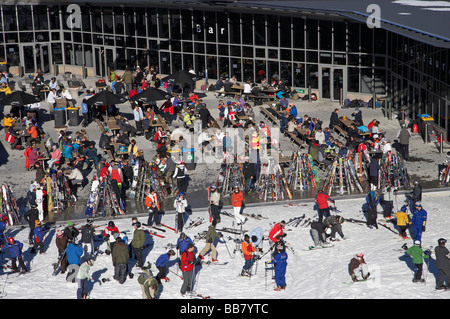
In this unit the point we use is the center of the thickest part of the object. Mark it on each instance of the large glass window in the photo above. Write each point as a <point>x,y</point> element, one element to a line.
<point>163,23</point>
<point>353,37</point>
<point>40,18</point>
<point>108,24</point>
<point>199,26</point>
<point>260,29</point>
<point>285,32</point>
<point>130,26</point>
<point>352,79</point>
<point>152,22</point>
<point>325,35</point>
<point>175,25</point>
<point>311,34</point>
<point>222,27</point>
<point>272,30</point>
<point>25,21</point>
<point>118,21</point>
<point>247,28</point>
<point>298,31</point>
<point>140,23</point>
<point>339,36</point>
<point>9,18</point>
<point>96,18</point>
<point>312,76</point>
<point>211,28</point>
<point>235,27</point>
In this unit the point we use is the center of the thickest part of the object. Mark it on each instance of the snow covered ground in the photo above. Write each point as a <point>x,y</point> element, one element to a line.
<point>318,274</point>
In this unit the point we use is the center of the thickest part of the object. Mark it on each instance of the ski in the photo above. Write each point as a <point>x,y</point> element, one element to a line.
<point>233,231</point>
<point>259,217</point>
<point>387,227</point>
<point>173,229</point>
<point>357,221</point>
<point>153,234</point>
<point>214,263</point>
<point>157,228</point>
<point>318,247</point>
<point>196,223</point>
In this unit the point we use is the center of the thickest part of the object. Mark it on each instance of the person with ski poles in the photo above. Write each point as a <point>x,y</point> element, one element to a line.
<point>417,255</point>
<point>180,205</point>
<point>161,264</point>
<point>249,255</point>
<point>210,237</point>
<point>280,263</point>
<point>14,247</point>
<point>419,221</point>
<point>153,207</point>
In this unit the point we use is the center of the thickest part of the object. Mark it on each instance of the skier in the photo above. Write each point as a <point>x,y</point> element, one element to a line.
<point>276,232</point>
<point>187,269</point>
<point>87,239</point>
<point>14,247</point>
<point>257,237</point>
<point>417,255</point>
<point>214,201</point>
<point>153,207</point>
<point>182,242</point>
<point>210,237</point>
<point>74,253</point>
<point>31,216</point>
<point>387,200</point>
<point>120,256</point>
<point>249,255</point>
<point>419,221</point>
<point>319,233</point>
<point>237,200</point>
<point>137,243</point>
<point>442,264</point>
<point>280,262</point>
<point>402,222</point>
<point>358,268</point>
<point>372,200</point>
<point>180,175</point>
<point>38,238</point>
<point>71,232</point>
<point>161,264</point>
<point>61,242</point>
<point>322,200</point>
<point>83,276</point>
<point>149,285</point>
<point>108,235</point>
<point>180,205</point>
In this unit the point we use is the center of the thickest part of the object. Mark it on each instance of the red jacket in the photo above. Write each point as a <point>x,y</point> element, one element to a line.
<point>322,200</point>
<point>276,231</point>
<point>237,199</point>
<point>187,261</point>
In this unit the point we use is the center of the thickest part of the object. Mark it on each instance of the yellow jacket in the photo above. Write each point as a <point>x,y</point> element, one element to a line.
<point>402,218</point>
<point>6,89</point>
<point>8,121</point>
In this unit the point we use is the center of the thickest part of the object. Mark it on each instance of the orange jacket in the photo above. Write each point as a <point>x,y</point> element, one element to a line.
<point>247,249</point>
<point>33,132</point>
<point>237,199</point>
<point>152,199</point>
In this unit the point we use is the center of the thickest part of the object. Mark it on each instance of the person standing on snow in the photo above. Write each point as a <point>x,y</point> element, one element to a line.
<point>277,232</point>
<point>417,255</point>
<point>149,284</point>
<point>419,221</point>
<point>180,205</point>
<point>237,200</point>
<point>108,235</point>
<point>358,268</point>
<point>249,255</point>
<point>372,201</point>
<point>210,238</point>
<point>322,200</point>
<point>280,262</point>
<point>442,263</point>
<point>415,196</point>
<point>83,276</point>
<point>14,247</point>
<point>402,222</point>
<point>187,269</point>
<point>137,243</point>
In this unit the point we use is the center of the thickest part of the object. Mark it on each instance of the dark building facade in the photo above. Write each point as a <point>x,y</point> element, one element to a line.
<point>332,52</point>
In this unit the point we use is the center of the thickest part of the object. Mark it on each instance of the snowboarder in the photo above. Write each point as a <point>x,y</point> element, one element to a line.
<point>187,269</point>
<point>417,255</point>
<point>280,262</point>
<point>38,238</point>
<point>14,247</point>
<point>137,243</point>
<point>180,205</point>
<point>419,221</point>
<point>442,263</point>
<point>237,200</point>
<point>149,284</point>
<point>161,264</point>
<point>358,268</point>
<point>249,255</point>
<point>322,200</point>
<point>319,233</point>
<point>402,222</point>
<point>210,238</point>
<point>120,256</point>
<point>83,276</point>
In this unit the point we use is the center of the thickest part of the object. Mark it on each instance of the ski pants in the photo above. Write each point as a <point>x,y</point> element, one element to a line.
<point>215,213</point>
<point>403,230</point>
<point>372,217</point>
<point>248,263</point>
<point>21,263</point>
<point>209,246</point>
<point>180,221</point>
<point>161,273</point>
<point>181,184</point>
<point>419,271</point>
<point>316,237</point>
<point>152,215</point>
<point>323,212</point>
<point>361,271</point>
<point>139,257</point>
<point>418,232</point>
<point>87,250</point>
<point>280,278</point>
<point>443,273</point>
<point>120,272</point>
<point>82,290</point>
<point>237,215</point>
<point>188,278</point>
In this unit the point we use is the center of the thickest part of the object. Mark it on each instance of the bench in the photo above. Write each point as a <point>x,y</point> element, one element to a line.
<point>268,115</point>
<point>254,98</point>
<point>340,131</point>
<point>295,139</point>
<point>163,123</point>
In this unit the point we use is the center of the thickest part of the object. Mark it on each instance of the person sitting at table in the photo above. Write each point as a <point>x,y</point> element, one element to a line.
<point>283,122</point>
<point>320,136</point>
<point>132,149</point>
<point>51,97</point>
<point>67,150</point>
<point>53,84</point>
<point>105,142</point>
<point>55,156</point>
<point>123,138</point>
<point>125,126</point>
<point>248,111</point>
<point>370,125</point>
<point>33,134</point>
<point>330,145</point>
<point>247,88</point>
<point>227,85</point>
<point>292,127</point>
<point>357,114</point>
<point>375,128</point>
<point>8,121</point>
<point>5,89</point>
<point>16,141</point>
<point>292,110</point>
<point>256,90</point>
<point>33,156</point>
<point>284,103</point>
<point>66,94</point>
<point>76,178</point>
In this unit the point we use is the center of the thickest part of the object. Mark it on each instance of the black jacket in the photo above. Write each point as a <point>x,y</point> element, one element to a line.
<point>442,261</point>
<point>249,170</point>
<point>87,234</point>
<point>31,216</point>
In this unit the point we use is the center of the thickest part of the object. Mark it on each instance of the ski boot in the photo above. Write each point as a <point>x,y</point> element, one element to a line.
<point>166,279</point>
<point>279,288</point>
<point>366,276</point>
<point>354,278</point>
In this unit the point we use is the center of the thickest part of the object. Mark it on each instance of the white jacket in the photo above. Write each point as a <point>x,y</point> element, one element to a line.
<point>180,205</point>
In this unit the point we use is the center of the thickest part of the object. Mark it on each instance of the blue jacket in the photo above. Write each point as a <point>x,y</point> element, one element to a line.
<point>2,227</point>
<point>74,254</point>
<point>182,244</point>
<point>419,217</point>
<point>162,260</point>
<point>293,111</point>
<point>280,261</point>
<point>15,250</point>
<point>258,232</point>
<point>38,235</point>
<point>372,199</point>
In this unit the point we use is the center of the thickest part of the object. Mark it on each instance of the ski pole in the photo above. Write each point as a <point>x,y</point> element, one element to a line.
<point>227,248</point>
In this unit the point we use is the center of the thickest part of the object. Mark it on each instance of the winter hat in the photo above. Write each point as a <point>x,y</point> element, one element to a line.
<point>403,209</point>
<point>418,204</point>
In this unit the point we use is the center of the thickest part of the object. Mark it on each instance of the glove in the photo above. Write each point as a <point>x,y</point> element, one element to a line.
<point>423,228</point>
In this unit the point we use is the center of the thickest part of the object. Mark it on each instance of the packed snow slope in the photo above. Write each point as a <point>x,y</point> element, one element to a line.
<point>321,273</point>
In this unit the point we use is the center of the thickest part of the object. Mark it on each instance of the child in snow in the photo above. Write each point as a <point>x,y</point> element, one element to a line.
<point>38,238</point>
<point>402,222</point>
<point>280,262</point>
<point>417,255</point>
<point>358,268</point>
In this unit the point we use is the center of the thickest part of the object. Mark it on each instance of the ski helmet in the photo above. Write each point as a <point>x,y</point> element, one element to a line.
<point>417,242</point>
<point>111,224</point>
<point>11,240</point>
<point>37,223</point>
<point>403,209</point>
<point>442,241</point>
<point>328,230</point>
<point>181,193</point>
<point>4,218</point>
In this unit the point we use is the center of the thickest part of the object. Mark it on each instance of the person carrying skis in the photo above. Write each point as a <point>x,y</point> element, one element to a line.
<point>120,257</point>
<point>372,200</point>
<point>149,284</point>
<point>161,264</point>
<point>237,199</point>
<point>419,221</point>
<point>83,276</point>
<point>249,255</point>
<point>38,238</point>
<point>31,216</point>
<point>417,255</point>
<point>187,269</point>
<point>210,238</point>
<point>322,200</point>
<point>442,264</point>
<point>180,205</point>
<point>87,239</point>
<point>137,243</point>
<point>402,222</point>
<point>358,268</point>
<point>280,262</point>
<point>14,247</point>
<point>108,235</point>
